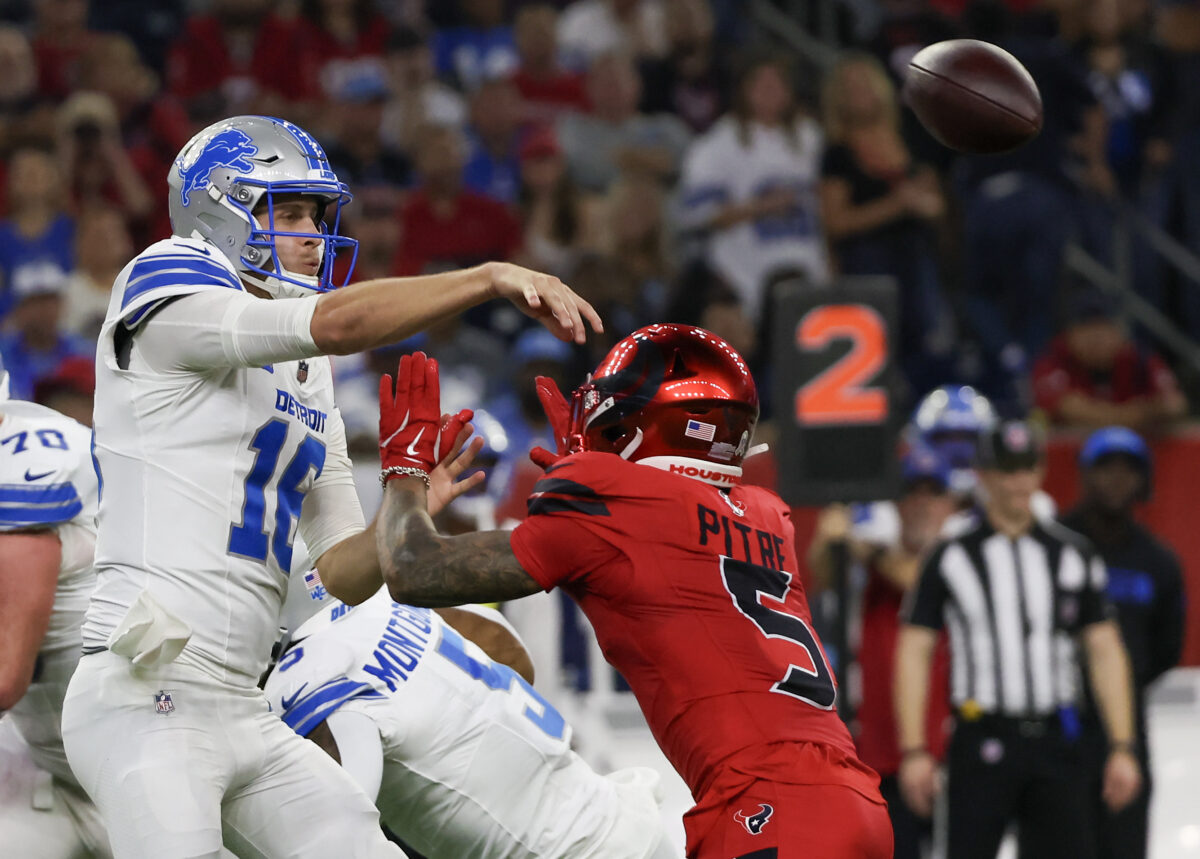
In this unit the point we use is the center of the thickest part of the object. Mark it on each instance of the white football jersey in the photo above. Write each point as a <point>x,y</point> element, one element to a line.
<point>477,763</point>
<point>720,170</point>
<point>205,474</point>
<point>48,481</point>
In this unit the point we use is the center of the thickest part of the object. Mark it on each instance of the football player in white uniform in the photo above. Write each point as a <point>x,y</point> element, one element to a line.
<point>462,755</point>
<point>218,440</point>
<point>48,494</point>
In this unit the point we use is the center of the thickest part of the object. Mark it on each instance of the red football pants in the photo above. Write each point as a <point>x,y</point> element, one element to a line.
<point>793,821</point>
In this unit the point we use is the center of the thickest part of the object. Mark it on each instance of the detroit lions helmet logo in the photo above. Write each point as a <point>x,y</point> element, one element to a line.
<point>754,823</point>
<point>230,148</point>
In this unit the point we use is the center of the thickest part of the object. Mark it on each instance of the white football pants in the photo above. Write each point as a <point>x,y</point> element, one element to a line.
<point>176,779</point>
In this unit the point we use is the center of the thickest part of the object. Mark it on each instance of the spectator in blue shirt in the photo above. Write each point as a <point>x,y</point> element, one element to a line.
<point>35,346</point>
<point>493,166</point>
<point>480,49</point>
<point>37,232</point>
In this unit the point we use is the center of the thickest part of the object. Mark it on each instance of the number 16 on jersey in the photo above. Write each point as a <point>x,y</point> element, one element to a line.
<point>833,353</point>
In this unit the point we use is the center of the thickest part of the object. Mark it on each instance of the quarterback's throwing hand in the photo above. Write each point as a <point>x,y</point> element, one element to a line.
<point>545,298</point>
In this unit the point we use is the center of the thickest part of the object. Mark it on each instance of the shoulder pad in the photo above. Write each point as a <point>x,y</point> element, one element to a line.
<point>573,485</point>
<point>171,268</point>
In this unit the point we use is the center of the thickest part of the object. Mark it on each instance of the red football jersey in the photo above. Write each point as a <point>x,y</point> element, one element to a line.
<point>695,598</point>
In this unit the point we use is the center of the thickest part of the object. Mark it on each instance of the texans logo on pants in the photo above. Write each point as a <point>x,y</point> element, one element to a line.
<point>754,823</point>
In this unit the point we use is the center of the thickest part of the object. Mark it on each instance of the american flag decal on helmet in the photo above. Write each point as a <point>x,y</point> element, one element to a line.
<point>700,430</point>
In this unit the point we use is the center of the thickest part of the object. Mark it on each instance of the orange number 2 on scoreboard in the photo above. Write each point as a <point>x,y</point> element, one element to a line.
<point>837,394</point>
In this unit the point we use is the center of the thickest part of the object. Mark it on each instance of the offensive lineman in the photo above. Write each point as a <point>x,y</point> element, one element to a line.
<point>461,755</point>
<point>688,578</point>
<point>218,441</point>
<point>47,535</point>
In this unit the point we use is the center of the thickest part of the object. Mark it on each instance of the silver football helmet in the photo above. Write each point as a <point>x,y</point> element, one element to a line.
<point>244,163</point>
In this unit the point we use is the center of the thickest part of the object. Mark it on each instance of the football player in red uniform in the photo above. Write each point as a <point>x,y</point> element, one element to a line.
<point>688,577</point>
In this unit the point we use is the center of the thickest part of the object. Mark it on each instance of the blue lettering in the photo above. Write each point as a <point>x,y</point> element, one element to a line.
<point>418,619</point>
<point>385,671</point>
<point>408,625</point>
<point>405,651</point>
<point>312,418</point>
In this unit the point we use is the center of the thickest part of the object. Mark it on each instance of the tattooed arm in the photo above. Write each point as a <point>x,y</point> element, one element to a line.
<point>423,567</point>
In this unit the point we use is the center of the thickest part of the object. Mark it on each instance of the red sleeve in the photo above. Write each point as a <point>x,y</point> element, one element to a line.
<point>1051,382</point>
<point>555,544</point>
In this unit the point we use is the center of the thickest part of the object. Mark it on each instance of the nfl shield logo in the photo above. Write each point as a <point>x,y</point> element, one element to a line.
<point>163,703</point>
<point>302,372</point>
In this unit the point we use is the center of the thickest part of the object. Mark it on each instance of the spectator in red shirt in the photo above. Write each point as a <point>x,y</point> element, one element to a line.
<point>924,505</point>
<point>60,37</point>
<point>239,58</point>
<point>547,88</point>
<point>333,33</point>
<point>442,223</point>
<point>1094,375</point>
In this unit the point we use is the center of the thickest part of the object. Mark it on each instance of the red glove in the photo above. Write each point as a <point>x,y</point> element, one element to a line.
<point>558,412</point>
<point>451,427</point>
<point>410,419</point>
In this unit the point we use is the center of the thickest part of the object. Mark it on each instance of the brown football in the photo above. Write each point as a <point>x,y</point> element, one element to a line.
<point>973,96</point>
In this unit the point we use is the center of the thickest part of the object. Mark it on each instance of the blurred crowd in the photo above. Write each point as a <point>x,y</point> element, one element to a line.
<point>665,157</point>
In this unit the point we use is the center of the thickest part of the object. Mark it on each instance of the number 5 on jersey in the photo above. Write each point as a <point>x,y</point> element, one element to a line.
<point>746,582</point>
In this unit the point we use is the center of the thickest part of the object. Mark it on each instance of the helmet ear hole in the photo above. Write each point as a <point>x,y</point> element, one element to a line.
<point>613,432</point>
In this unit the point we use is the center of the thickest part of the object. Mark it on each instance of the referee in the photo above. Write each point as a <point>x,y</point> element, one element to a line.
<point>1018,597</point>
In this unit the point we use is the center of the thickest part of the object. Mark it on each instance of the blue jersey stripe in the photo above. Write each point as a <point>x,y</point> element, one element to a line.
<point>22,517</point>
<point>159,271</point>
<point>158,264</point>
<point>134,318</point>
<point>169,279</point>
<point>317,706</point>
<point>33,493</point>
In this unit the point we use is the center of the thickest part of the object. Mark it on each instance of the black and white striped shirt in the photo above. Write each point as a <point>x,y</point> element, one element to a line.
<point>1013,608</point>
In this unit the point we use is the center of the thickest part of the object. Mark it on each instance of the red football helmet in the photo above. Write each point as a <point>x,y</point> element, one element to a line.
<point>669,395</point>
